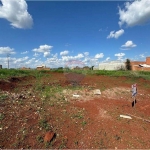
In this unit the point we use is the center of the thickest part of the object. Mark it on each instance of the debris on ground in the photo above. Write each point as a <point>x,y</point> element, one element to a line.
<point>124,116</point>
<point>97,92</point>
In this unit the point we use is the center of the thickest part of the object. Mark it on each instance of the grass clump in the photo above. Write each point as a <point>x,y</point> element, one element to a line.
<point>43,123</point>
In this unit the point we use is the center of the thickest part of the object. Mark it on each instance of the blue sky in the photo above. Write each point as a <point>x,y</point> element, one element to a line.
<point>33,33</point>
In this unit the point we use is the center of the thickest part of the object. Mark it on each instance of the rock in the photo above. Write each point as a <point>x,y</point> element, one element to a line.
<point>76,96</point>
<point>64,91</point>
<point>97,92</point>
<point>49,136</point>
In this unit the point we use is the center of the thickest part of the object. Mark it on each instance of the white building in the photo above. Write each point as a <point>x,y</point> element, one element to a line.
<point>112,65</point>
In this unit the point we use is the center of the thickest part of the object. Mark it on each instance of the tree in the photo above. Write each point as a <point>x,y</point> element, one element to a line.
<point>128,64</point>
<point>92,67</point>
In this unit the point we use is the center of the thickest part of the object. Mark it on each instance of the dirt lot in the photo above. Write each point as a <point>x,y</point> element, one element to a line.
<point>41,112</point>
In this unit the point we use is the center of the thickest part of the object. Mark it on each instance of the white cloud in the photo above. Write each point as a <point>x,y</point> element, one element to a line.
<point>45,49</point>
<point>120,56</point>
<point>53,59</point>
<point>21,60</point>
<point>64,53</point>
<point>116,34</point>
<point>15,11</point>
<point>128,45</point>
<point>46,54</point>
<point>79,56</point>
<point>135,13</point>
<point>36,54</point>
<point>55,55</point>
<point>31,62</point>
<point>68,58</point>
<point>100,55</point>
<point>86,53</point>
<point>24,52</point>
<point>6,50</point>
<point>15,62</point>
<point>142,55</point>
<point>108,58</point>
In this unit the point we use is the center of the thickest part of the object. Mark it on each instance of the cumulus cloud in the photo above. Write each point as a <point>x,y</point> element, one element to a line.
<point>120,55</point>
<point>45,49</point>
<point>36,54</point>
<point>15,11</point>
<point>128,45</point>
<point>142,55</point>
<point>46,54</point>
<point>55,55</point>
<point>116,34</point>
<point>108,58</point>
<point>68,58</point>
<point>135,13</point>
<point>21,60</point>
<point>100,55</point>
<point>86,53</point>
<point>64,53</point>
<point>15,62</point>
<point>7,50</point>
<point>24,52</point>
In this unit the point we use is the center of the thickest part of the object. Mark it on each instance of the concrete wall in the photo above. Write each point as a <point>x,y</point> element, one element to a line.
<point>113,65</point>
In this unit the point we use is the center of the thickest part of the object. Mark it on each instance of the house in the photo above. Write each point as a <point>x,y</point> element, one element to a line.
<point>42,67</point>
<point>24,68</point>
<point>77,68</point>
<point>141,65</point>
<point>86,68</point>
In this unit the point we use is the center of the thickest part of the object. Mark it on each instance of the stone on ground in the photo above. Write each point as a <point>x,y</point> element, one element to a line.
<point>49,136</point>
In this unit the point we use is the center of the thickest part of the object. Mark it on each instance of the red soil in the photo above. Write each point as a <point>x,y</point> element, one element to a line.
<point>91,121</point>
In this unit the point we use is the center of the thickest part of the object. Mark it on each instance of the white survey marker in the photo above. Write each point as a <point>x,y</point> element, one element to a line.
<point>124,116</point>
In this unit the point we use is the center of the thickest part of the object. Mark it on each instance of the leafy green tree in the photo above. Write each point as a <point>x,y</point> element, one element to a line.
<point>92,67</point>
<point>128,64</point>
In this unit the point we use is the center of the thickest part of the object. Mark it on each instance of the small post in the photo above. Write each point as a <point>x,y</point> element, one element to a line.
<point>8,55</point>
<point>134,93</point>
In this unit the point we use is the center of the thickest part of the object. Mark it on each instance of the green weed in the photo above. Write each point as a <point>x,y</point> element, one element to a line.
<point>2,116</point>
<point>3,97</point>
<point>40,139</point>
<point>84,123</point>
<point>44,124</point>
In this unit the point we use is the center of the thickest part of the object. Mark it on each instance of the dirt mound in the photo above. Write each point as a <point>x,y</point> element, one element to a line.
<point>14,79</point>
<point>6,85</point>
<point>10,84</point>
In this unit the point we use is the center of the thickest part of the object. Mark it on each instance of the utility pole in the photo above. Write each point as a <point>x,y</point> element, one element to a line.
<point>8,55</point>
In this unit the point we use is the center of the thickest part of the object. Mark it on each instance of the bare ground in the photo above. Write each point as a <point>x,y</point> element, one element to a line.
<point>28,112</point>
